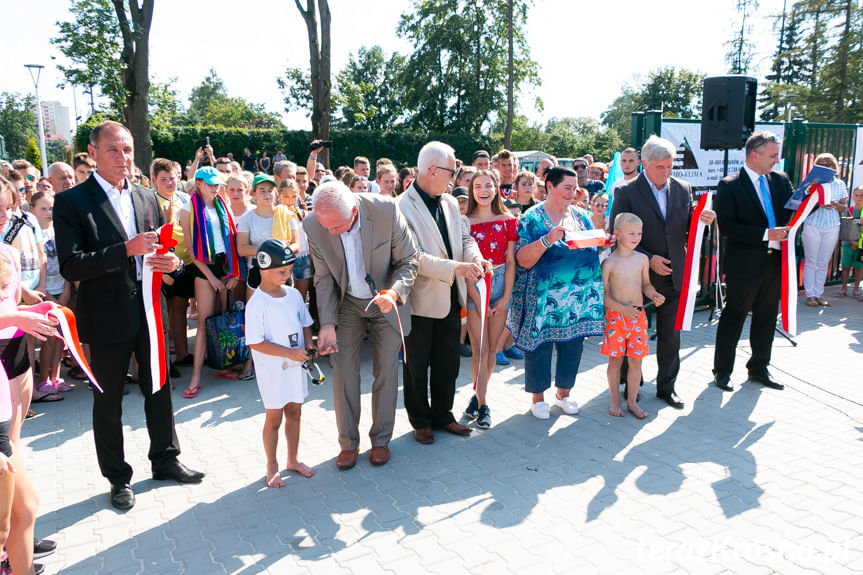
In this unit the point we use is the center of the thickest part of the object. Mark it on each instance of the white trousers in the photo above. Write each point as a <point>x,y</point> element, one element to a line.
<point>819,243</point>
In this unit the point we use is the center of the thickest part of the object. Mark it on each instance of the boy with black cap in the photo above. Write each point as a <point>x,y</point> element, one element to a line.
<point>278,331</point>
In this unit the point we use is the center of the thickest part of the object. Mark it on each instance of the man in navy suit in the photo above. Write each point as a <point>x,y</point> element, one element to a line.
<point>750,206</point>
<point>664,204</point>
<point>104,226</point>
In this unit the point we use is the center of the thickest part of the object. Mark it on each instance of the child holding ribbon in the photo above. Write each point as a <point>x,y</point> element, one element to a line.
<point>278,331</point>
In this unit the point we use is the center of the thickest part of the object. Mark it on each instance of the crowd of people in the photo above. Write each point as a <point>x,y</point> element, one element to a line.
<point>429,263</point>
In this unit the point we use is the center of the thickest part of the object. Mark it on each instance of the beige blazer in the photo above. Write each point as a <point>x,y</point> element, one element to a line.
<point>389,256</point>
<point>430,295</point>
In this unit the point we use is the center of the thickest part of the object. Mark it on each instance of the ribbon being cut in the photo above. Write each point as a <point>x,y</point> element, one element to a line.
<point>581,239</point>
<point>152,290</point>
<point>483,286</point>
<point>69,333</point>
<point>691,271</point>
<point>815,198</point>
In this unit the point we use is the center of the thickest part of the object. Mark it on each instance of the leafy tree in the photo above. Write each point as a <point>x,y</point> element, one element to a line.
<point>210,105</point>
<point>740,48</point>
<point>55,150</point>
<point>525,135</point>
<point>320,79</point>
<point>17,122</point>
<point>166,109</point>
<point>32,154</point>
<point>369,91</point>
<point>296,88</point>
<point>456,75</point>
<point>677,92</point>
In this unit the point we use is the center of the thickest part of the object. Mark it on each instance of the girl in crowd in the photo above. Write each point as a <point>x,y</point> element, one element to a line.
<point>557,298</point>
<point>288,227</point>
<point>236,188</point>
<point>495,232</point>
<point>598,207</point>
<point>208,227</point>
<point>524,186</point>
<point>359,184</point>
<point>406,178</point>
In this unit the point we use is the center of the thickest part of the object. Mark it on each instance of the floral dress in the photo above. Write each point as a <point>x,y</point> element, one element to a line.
<point>560,298</point>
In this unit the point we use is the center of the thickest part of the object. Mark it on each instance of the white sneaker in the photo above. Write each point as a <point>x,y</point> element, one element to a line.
<point>540,410</point>
<point>568,405</point>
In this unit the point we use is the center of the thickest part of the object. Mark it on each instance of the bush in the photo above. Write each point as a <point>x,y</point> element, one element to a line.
<point>180,143</point>
<point>33,155</point>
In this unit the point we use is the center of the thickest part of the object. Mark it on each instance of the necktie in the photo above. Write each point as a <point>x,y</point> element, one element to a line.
<point>766,201</point>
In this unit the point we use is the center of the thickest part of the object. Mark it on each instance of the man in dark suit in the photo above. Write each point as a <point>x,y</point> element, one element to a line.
<point>104,227</point>
<point>664,205</point>
<point>750,206</point>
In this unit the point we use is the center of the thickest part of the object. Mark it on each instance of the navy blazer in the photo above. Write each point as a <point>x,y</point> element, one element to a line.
<point>664,237</point>
<point>743,222</point>
<point>91,250</point>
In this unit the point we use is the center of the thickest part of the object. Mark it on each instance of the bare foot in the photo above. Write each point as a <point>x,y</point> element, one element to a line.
<point>635,410</point>
<point>615,410</point>
<point>301,468</point>
<point>273,477</point>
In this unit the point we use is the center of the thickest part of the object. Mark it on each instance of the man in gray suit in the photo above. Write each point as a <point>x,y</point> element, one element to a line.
<point>360,243</point>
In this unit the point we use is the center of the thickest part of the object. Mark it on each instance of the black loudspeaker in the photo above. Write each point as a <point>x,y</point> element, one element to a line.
<point>728,113</point>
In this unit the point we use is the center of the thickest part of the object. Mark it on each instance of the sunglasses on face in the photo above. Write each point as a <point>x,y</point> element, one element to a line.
<point>22,191</point>
<point>31,177</point>
<point>580,167</point>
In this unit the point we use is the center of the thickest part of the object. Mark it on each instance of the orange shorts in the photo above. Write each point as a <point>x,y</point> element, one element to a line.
<point>624,336</point>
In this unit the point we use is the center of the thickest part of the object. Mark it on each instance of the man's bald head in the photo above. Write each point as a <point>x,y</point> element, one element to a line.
<point>62,176</point>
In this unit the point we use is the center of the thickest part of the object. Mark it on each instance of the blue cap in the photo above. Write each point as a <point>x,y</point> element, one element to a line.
<point>210,175</point>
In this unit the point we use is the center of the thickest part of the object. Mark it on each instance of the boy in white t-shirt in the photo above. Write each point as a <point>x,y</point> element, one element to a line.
<point>278,331</point>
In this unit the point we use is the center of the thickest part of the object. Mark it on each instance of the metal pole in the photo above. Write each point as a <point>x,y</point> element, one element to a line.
<point>38,68</point>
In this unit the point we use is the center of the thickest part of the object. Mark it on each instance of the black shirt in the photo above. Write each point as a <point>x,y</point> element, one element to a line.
<point>433,204</point>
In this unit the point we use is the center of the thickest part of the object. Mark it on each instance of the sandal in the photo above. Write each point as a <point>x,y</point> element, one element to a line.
<point>61,385</point>
<point>46,393</point>
<point>75,372</point>
<point>247,375</point>
<point>823,302</point>
<point>191,392</point>
<point>811,302</point>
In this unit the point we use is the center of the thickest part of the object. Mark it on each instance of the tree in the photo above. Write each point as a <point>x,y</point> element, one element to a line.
<point>17,122</point>
<point>510,74</point>
<point>210,105</point>
<point>369,91</point>
<point>166,109</point>
<point>296,88</point>
<point>457,72</point>
<point>319,66</point>
<point>740,48</point>
<point>91,42</point>
<point>676,92</point>
<point>32,154</point>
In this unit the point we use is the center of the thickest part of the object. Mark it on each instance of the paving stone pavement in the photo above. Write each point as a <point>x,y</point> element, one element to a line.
<point>755,481</point>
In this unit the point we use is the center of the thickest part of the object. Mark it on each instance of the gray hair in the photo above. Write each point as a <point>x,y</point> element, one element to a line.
<point>433,154</point>
<point>279,167</point>
<point>334,196</point>
<point>656,148</point>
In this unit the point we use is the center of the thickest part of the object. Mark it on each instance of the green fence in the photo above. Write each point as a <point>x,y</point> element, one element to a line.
<point>804,141</point>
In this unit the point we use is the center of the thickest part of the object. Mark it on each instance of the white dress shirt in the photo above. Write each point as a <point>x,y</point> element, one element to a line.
<point>353,247</point>
<point>121,201</point>
<point>754,177</point>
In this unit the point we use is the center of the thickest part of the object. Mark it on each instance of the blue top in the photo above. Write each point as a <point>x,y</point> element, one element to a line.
<point>559,299</point>
<point>825,217</point>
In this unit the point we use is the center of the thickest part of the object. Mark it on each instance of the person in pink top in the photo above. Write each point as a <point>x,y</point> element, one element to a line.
<point>495,231</point>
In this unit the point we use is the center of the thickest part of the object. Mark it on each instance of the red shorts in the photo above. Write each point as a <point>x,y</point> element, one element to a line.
<point>624,336</point>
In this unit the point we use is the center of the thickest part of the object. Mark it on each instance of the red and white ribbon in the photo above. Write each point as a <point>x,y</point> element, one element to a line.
<point>69,333</point>
<point>692,269</point>
<point>585,239</point>
<point>789,258</point>
<point>152,290</point>
<point>385,294</point>
<point>483,286</point>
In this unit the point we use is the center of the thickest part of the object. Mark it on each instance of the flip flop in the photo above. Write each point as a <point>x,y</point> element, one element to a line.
<point>191,392</point>
<point>47,398</point>
<point>227,375</point>
<point>76,372</point>
<point>247,375</point>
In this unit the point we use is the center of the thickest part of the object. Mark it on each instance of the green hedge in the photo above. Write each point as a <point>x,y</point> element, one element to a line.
<point>402,148</point>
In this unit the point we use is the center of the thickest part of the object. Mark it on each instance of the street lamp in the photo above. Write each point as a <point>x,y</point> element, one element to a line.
<point>35,78</point>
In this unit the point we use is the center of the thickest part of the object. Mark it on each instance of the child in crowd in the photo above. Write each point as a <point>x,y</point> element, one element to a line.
<point>278,331</point>
<point>57,290</point>
<point>626,280</point>
<point>850,251</point>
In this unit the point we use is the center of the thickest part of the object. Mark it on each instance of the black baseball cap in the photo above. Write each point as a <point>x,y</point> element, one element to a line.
<point>480,154</point>
<point>460,192</point>
<point>274,253</point>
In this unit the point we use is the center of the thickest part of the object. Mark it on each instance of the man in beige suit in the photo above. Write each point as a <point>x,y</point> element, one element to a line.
<point>447,257</point>
<point>360,243</point>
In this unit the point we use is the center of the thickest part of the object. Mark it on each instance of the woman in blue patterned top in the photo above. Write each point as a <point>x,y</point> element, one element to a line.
<point>557,297</point>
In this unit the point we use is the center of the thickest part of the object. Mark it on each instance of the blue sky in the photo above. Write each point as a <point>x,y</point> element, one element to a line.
<point>586,54</point>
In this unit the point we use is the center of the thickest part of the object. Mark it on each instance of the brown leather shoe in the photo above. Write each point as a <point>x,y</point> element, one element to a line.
<point>456,428</point>
<point>424,435</point>
<point>380,454</point>
<point>346,459</point>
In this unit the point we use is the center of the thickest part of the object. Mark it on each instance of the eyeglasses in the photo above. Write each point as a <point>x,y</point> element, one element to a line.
<point>579,167</point>
<point>22,190</point>
<point>600,205</point>
<point>31,177</point>
<point>450,170</point>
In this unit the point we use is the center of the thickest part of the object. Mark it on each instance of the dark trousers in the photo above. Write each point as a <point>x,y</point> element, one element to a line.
<point>110,363</point>
<point>760,295</point>
<point>432,346</point>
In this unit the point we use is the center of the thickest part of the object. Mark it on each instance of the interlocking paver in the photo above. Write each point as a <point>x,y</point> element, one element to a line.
<point>736,483</point>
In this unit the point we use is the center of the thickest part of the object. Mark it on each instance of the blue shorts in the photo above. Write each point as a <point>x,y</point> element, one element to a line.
<point>302,268</point>
<point>497,281</point>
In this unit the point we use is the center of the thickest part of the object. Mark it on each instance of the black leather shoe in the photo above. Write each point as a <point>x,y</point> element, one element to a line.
<point>672,399</point>
<point>723,382</point>
<point>178,472</point>
<point>122,497</point>
<point>765,380</point>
